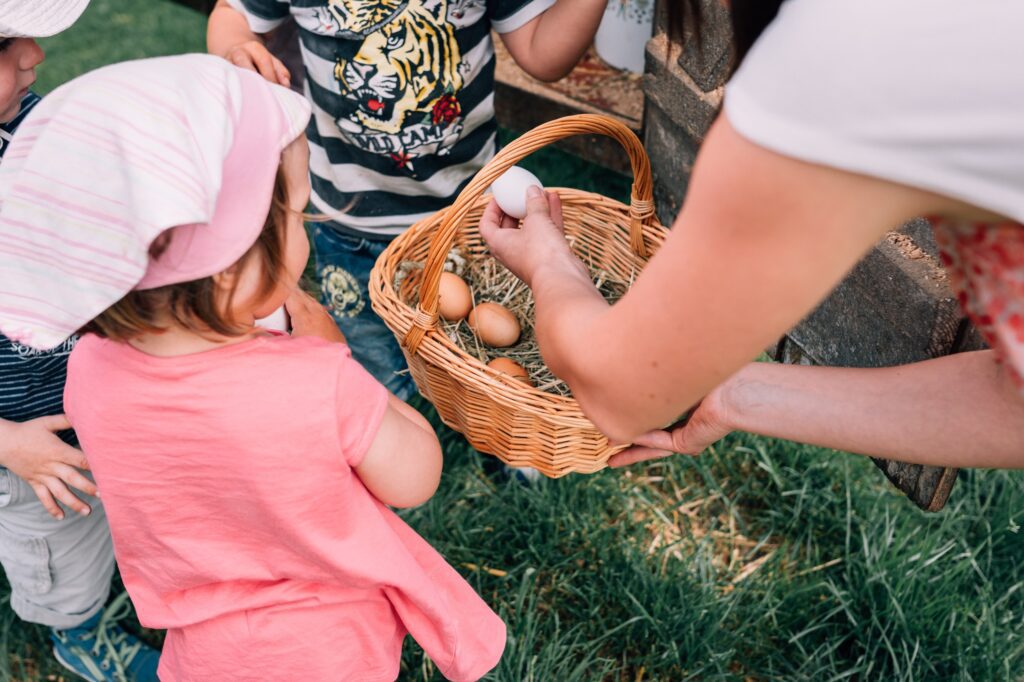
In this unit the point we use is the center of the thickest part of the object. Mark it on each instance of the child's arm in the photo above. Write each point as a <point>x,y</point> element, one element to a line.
<point>228,35</point>
<point>33,452</point>
<point>403,465</point>
<point>549,46</point>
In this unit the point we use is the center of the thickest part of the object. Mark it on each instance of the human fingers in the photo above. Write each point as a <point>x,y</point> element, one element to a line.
<point>54,422</point>
<point>660,439</point>
<point>74,478</point>
<point>72,457</point>
<point>241,58</point>
<point>537,202</point>
<point>266,64</point>
<point>555,207</point>
<point>637,454</point>
<point>490,221</point>
<point>43,493</point>
<point>66,497</point>
<point>494,227</point>
<point>284,77</point>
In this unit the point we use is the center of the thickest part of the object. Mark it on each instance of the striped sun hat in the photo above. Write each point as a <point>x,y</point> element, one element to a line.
<point>188,145</point>
<point>38,18</point>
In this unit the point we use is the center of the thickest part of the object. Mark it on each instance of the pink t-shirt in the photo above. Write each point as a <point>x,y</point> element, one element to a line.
<point>240,526</point>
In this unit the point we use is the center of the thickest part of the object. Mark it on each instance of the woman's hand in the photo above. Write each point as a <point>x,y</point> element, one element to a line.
<point>34,453</point>
<point>309,318</point>
<point>705,425</point>
<point>539,242</point>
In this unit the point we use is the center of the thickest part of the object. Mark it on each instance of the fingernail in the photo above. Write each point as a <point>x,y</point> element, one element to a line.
<point>533,191</point>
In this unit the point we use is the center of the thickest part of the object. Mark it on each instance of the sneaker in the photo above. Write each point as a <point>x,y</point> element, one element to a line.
<point>501,472</point>
<point>525,475</point>
<point>99,650</point>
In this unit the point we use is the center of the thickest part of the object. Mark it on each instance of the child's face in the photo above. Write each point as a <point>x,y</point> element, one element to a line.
<point>19,58</point>
<point>295,164</point>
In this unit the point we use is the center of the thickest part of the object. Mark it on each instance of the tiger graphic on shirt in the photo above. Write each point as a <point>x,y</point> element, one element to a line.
<point>403,82</point>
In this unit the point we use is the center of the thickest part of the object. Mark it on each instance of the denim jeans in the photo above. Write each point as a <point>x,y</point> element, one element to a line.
<point>343,265</point>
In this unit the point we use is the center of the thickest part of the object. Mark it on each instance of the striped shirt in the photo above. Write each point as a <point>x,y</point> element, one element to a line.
<point>28,102</point>
<point>403,100</point>
<point>31,381</point>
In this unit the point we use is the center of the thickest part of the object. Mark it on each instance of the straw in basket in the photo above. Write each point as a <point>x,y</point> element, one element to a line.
<point>521,425</point>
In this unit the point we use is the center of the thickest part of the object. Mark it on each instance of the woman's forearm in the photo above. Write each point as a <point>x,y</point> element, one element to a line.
<point>960,410</point>
<point>569,309</point>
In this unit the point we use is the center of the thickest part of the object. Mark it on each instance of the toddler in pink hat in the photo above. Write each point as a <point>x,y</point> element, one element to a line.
<point>245,474</point>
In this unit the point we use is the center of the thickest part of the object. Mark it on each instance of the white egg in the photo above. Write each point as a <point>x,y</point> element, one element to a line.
<point>509,190</point>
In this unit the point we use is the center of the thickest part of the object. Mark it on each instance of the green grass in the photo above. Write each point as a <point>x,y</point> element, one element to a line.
<point>758,560</point>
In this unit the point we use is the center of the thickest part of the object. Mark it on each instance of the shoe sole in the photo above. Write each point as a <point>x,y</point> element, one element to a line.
<point>68,666</point>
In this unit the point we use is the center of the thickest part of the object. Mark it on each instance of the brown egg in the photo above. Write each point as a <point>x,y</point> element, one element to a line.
<point>494,324</point>
<point>456,300</point>
<point>511,368</point>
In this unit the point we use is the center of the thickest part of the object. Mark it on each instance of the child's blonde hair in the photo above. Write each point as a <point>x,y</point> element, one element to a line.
<point>194,305</point>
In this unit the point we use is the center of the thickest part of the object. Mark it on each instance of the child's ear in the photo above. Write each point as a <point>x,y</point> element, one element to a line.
<point>227,280</point>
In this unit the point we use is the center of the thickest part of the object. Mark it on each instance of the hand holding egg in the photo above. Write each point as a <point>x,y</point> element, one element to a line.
<point>509,191</point>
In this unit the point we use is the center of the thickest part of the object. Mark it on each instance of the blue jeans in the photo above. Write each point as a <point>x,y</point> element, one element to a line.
<point>343,265</point>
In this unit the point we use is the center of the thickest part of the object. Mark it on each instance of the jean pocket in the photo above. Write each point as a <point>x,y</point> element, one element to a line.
<point>7,488</point>
<point>26,562</point>
<point>327,240</point>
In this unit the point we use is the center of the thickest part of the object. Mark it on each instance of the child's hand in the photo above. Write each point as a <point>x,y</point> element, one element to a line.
<point>309,318</point>
<point>33,452</point>
<point>254,55</point>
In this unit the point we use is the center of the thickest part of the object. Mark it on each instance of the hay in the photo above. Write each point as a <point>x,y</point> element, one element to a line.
<point>489,280</point>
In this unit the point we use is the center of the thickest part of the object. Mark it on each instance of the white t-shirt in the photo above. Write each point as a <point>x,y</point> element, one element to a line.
<point>928,93</point>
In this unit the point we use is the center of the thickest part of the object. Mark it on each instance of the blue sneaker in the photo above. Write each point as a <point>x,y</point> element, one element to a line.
<point>99,650</point>
<point>524,475</point>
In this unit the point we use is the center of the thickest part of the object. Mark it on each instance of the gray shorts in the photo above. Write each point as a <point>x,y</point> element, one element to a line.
<point>59,571</point>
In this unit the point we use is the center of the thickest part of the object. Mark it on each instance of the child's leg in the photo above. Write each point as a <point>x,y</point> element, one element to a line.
<point>343,264</point>
<point>60,574</point>
<point>59,571</point>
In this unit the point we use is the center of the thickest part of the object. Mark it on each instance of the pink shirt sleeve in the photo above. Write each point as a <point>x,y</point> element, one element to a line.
<point>360,404</point>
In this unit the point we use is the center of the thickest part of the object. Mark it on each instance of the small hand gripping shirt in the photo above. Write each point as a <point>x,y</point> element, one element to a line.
<point>927,93</point>
<point>240,526</point>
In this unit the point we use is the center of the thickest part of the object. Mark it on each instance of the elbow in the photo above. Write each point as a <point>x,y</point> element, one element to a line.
<point>611,421</point>
<point>547,73</point>
<point>427,478</point>
<point>604,405</point>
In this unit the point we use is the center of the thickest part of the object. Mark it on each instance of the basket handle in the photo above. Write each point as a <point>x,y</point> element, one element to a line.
<point>641,205</point>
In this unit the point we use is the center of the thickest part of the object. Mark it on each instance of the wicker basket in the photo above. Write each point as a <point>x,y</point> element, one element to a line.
<point>521,425</point>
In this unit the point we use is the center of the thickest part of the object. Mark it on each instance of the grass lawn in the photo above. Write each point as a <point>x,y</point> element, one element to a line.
<point>758,560</point>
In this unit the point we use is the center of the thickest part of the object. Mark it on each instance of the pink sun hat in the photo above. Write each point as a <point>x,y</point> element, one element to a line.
<point>113,159</point>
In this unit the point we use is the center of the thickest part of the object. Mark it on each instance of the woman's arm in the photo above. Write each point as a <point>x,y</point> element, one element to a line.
<point>761,239</point>
<point>549,46</point>
<point>960,410</point>
<point>402,468</point>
